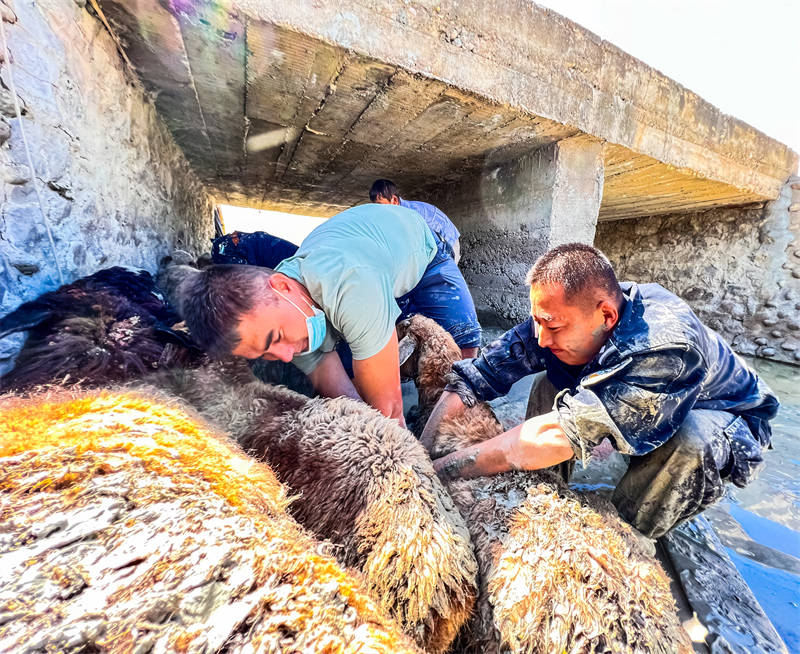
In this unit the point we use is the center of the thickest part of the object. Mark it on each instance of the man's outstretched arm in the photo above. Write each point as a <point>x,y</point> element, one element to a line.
<point>536,443</point>
<point>377,379</point>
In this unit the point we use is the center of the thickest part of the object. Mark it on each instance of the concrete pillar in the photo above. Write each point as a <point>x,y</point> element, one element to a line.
<point>515,211</point>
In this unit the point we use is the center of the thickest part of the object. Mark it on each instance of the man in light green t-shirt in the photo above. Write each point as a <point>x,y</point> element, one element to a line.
<point>341,283</point>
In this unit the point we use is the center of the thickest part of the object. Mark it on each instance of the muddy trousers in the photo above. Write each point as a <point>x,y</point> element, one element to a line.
<point>674,482</point>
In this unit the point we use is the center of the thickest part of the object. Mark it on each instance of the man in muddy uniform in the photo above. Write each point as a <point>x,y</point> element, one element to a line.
<point>631,363</point>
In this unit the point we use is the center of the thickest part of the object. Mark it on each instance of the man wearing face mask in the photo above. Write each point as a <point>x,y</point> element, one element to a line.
<point>631,363</point>
<point>341,284</point>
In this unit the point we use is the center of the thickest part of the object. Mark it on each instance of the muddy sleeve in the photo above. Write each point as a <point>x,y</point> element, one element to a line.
<point>639,404</point>
<point>508,359</point>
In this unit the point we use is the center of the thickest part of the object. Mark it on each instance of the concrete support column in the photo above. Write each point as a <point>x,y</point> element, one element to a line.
<point>515,211</point>
<point>577,190</point>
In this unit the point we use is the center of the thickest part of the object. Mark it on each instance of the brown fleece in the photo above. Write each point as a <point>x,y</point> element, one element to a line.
<point>558,570</point>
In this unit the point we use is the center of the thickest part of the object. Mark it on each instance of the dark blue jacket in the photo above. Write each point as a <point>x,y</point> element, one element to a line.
<point>251,248</point>
<point>659,363</point>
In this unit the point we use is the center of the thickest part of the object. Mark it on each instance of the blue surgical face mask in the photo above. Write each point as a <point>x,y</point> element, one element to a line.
<point>316,324</point>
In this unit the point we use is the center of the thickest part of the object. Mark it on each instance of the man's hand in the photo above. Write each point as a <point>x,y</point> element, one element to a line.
<point>449,405</point>
<point>330,379</point>
<point>378,380</point>
<point>536,443</point>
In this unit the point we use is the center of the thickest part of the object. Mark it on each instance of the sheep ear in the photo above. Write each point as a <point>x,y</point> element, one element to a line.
<point>406,348</point>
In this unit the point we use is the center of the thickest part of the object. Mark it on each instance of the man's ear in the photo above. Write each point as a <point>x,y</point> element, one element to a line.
<point>279,282</point>
<point>395,200</point>
<point>610,315</point>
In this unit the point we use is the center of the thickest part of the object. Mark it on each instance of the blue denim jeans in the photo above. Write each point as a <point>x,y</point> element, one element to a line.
<point>685,475</point>
<point>443,296</point>
<point>682,477</point>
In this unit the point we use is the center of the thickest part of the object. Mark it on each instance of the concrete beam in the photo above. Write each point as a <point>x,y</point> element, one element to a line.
<point>518,54</point>
<point>512,213</point>
<point>300,105</point>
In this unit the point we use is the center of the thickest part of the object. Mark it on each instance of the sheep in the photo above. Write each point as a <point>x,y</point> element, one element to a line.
<point>361,481</point>
<point>127,524</point>
<point>558,571</point>
<point>110,326</point>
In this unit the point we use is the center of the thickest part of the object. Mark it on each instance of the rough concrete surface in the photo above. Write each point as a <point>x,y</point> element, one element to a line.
<point>739,268</point>
<point>299,105</point>
<point>115,187</point>
<point>514,212</point>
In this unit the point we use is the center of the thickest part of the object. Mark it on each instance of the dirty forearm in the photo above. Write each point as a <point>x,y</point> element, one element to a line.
<point>487,458</point>
<point>536,443</point>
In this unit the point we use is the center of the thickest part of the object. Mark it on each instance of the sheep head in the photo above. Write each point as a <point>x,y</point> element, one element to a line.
<point>173,271</point>
<point>427,355</point>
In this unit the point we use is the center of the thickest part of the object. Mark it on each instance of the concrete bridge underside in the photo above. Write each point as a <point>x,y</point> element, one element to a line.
<point>298,105</point>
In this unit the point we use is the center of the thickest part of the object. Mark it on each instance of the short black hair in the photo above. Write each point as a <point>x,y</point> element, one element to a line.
<point>214,300</point>
<point>382,188</point>
<point>577,268</point>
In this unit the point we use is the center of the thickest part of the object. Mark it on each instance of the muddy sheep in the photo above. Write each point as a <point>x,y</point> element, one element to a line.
<point>360,481</point>
<point>111,326</point>
<point>559,571</point>
<point>127,524</point>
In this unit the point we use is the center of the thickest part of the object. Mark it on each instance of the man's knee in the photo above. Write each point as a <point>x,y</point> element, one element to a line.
<point>702,437</point>
<point>542,396</point>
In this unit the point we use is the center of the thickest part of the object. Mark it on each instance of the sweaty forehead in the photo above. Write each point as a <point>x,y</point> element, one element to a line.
<point>547,303</point>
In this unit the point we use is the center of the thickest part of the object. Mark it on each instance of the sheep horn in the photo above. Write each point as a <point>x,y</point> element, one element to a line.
<point>406,348</point>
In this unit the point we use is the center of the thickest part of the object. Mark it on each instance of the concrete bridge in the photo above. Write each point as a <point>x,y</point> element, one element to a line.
<point>527,129</point>
<point>300,105</point>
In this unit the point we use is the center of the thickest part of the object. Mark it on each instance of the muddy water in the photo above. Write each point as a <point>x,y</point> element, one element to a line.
<point>760,524</point>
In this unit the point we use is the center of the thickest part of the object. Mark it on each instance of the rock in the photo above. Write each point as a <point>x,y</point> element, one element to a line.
<point>776,333</point>
<point>789,346</point>
<point>794,326</point>
<point>781,314</point>
<point>767,352</point>
<point>5,131</point>
<point>26,268</point>
<point>761,341</point>
<point>769,322</point>
<point>7,104</point>
<point>7,14</point>
<point>16,174</point>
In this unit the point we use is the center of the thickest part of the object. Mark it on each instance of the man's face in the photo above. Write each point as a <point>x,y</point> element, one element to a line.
<point>275,331</point>
<point>573,332</point>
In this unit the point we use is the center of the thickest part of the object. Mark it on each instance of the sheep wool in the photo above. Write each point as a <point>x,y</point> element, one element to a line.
<point>129,525</point>
<point>558,570</point>
<point>111,326</point>
<point>360,481</point>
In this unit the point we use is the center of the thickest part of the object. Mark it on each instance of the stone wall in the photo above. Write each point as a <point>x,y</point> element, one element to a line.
<point>739,268</point>
<point>116,189</point>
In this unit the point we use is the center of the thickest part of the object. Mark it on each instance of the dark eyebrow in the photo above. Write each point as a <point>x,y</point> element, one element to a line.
<point>270,336</point>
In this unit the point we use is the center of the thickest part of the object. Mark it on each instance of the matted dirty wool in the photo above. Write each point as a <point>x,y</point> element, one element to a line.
<point>128,525</point>
<point>560,572</point>
<point>361,482</point>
